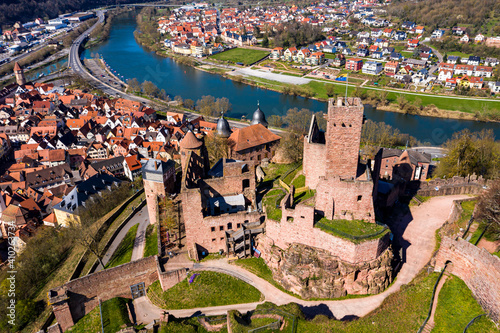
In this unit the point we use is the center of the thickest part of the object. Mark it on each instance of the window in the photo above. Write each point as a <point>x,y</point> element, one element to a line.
<point>238,225</point>
<point>221,228</point>
<point>359,197</point>
<point>222,238</point>
<point>213,239</point>
<point>246,183</point>
<point>212,229</point>
<point>258,157</point>
<point>229,226</point>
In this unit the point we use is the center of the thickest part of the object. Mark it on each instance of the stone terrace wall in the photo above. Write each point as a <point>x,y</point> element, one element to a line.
<point>300,230</point>
<point>452,186</point>
<point>477,268</point>
<point>85,292</point>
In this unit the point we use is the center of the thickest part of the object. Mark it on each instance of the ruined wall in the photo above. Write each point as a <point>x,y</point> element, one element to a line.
<point>231,184</point>
<point>347,200</point>
<point>313,162</point>
<point>192,214</point>
<point>452,186</point>
<point>300,230</point>
<point>312,272</point>
<point>477,268</point>
<point>210,233</point>
<point>85,292</point>
<point>170,278</point>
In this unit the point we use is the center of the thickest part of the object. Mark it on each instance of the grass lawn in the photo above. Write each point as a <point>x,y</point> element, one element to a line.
<point>189,325</point>
<point>114,314</point>
<point>299,182</point>
<point>245,56</point>
<point>401,312</point>
<point>207,289</point>
<point>151,247</point>
<point>303,196</point>
<point>123,253</point>
<point>456,308</point>
<point>271,201</point>
<point>351,230</point>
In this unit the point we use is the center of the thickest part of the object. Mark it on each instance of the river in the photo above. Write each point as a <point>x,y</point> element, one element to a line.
<point>130,60</point>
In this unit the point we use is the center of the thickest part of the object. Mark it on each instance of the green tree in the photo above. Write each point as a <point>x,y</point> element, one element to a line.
<point>330,90</point>
<point>265,41</point>
<point>470,153</point>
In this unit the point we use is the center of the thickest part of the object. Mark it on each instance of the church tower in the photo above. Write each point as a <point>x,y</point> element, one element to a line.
<point>19,73</point>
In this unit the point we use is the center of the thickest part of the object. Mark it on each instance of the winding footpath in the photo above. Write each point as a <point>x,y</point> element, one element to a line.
<point>416,231</point>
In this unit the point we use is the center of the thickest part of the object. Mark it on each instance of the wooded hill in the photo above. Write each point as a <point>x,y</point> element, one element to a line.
<point>481,16</point>
<point>12,11</point>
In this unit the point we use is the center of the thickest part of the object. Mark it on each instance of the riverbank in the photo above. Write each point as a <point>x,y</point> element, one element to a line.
<point>392,100</point>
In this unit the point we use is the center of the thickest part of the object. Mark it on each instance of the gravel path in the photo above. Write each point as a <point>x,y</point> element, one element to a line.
<point>271,76</point>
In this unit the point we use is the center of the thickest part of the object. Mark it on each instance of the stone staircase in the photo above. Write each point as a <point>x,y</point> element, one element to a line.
<point>240,240</point>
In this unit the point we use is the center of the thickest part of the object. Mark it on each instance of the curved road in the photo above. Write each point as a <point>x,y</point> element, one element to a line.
<point>417,237</point>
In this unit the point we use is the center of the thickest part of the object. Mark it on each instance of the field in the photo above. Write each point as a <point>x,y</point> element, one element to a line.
<point>456,308</point>
<point>245,56</point>
<point>114,317</point>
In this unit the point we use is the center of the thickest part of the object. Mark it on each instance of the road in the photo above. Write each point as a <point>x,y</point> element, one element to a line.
<point>435,152</point>
<point>438,55</point>
<point>414,232</point>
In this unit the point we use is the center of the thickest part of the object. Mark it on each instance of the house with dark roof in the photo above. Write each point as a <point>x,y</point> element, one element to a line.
<point>69,209</point>
<point>406,165</point>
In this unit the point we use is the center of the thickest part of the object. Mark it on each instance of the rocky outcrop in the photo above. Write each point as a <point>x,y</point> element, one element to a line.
<point>315,273</point>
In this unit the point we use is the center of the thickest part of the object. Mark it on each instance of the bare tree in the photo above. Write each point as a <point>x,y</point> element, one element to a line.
<point>488,208</point>
<point>87,235</point>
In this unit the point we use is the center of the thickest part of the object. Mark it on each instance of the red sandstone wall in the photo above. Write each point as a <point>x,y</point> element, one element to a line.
<point>192,214</point>
<point>302,231</point>
<point>152,191</point>
<point>477,268</point>
<point>171,278</point>
<point>339,199</point>
<point>213,241</point>
<point>343,135</point>
<point>112,282</point>
<point>313,162</point>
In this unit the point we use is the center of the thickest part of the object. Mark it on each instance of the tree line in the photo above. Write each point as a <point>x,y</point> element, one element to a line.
<point>471,153</point>
<point>448,13</point>
<point>294,34</point>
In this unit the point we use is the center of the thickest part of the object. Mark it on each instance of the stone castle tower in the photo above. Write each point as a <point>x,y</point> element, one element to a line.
<point>343,135</point>
<point>19,73</point>
<point>191,143</point>
<point>345,189</point>
<point>159,180</point>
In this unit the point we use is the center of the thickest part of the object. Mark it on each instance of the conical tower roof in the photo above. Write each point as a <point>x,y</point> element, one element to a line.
<point>223,128</point>
<point>190,141</point>
<point>259,117</point>
<point>17,67</point>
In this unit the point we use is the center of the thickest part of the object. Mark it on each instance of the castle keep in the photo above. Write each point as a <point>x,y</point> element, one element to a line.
<point>345,188</point>
<point>307,259</point>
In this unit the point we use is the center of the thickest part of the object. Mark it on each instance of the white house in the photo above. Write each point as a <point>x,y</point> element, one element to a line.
<point>372,68</point>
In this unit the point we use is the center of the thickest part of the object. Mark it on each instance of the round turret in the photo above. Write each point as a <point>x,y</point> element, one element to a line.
<point>223,128</point>
<point>190,141</point>
<point>259,117</point>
